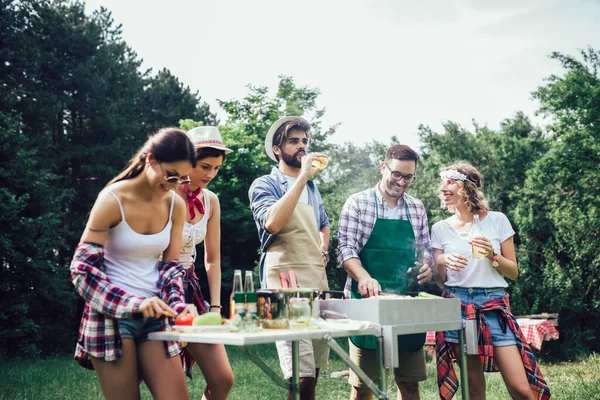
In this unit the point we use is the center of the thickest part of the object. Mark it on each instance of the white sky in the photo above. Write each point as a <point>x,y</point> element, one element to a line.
<point>383,67</point>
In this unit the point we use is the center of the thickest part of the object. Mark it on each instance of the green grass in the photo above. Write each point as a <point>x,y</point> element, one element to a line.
<point>62,378</point>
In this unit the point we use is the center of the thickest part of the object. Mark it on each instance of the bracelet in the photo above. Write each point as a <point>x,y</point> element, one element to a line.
<point>495,260</point>
<point>215,306</point>
<point>325,254</point>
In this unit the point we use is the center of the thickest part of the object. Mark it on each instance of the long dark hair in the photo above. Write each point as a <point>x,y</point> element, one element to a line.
<point>167,145</point>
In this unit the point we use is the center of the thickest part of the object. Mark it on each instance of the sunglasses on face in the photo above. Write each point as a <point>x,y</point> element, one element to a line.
<point>397,176</point>
<point>184,180</point>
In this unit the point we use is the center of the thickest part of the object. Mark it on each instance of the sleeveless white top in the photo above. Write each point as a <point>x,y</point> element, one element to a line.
<point>194,234</point>
<point>131,258</point>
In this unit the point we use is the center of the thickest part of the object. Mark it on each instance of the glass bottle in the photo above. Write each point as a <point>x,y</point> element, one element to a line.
<point>251,318</point>
<point>238,321</point>
<point>474,232</point>
<point>413,286</point>
<point>248,282</point>
<point>237,288</point>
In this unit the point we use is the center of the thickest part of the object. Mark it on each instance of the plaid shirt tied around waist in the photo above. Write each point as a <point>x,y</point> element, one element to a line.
<point>447,380</point>
<point>105,303</point>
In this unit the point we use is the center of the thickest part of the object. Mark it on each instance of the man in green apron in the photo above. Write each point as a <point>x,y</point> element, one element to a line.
<point>381,231</point>
<point>294,232</point>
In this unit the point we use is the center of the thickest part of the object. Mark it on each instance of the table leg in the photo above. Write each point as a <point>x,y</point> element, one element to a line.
<point>462,358</point>
<point>295,370</point>
<point>381,394</point>
<point>382,380</point>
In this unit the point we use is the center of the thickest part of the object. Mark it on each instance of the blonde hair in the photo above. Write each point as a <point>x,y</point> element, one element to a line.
<point>470,188</point>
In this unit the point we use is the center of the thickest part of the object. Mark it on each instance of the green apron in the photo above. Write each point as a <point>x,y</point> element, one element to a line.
<point>387,255</point>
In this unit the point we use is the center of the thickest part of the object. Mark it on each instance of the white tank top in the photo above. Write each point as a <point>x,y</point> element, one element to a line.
<point>131,258</point>
<point>194,234</point>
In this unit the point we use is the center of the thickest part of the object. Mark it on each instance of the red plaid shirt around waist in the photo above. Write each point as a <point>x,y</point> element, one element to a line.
<point>447,380</point>
<point>105,303</point>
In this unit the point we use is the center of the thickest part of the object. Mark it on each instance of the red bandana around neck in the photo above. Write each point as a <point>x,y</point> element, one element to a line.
<point>193,200</point>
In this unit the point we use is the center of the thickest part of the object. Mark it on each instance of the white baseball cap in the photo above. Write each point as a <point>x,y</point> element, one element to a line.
<point>273,129</point>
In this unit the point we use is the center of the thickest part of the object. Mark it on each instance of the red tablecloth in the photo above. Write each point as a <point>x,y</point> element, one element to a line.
<point>535,330</point>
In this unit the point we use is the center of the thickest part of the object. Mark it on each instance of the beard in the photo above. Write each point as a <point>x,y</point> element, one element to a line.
<point>292,160</point>
<point>394,190</point>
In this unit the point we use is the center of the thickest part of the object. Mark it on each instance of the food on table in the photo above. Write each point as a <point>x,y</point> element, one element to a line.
<point>426,295</point>
<point>209,318</point>
<point>185,319</point>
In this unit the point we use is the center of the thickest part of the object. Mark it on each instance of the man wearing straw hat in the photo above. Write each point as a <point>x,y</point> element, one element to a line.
<point>294,232</point>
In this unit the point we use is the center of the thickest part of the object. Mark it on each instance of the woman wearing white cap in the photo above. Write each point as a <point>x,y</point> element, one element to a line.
<point>203,223</point>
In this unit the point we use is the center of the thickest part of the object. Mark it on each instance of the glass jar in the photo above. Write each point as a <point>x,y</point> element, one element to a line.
<point>300,309</point>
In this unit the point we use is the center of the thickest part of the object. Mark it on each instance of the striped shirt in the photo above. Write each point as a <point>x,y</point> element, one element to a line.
<point>358,219</point>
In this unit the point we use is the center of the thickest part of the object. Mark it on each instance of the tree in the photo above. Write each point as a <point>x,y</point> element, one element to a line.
<point>72,112</point>
<point>559,206</point>
<point>248,121</point>
<point>167,100</point>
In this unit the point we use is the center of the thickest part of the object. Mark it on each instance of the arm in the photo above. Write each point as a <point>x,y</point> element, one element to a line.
<point>212,251</point>
<point>280,212</point>
<point>507,260</point>
<point>325,234</point>
<point>170,271</point>
<point>453,261</point>
<point>439,274</point>
<point>87,269</point>
<point>173,250</point>
<point>425,270</point>
<point>324,228</point>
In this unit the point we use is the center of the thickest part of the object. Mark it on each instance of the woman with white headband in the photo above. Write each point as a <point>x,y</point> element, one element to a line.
<point>474,252</point>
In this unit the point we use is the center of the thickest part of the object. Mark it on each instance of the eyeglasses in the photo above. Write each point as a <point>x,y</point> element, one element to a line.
<point>397,176</point>
<point>185,180</point>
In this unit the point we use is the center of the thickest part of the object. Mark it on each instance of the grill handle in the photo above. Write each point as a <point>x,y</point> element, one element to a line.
<point>329,314</point>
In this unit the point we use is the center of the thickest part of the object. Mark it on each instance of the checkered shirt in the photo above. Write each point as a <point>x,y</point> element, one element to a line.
<point>105,303</point>
<point>358,219</point>
<point>447,379</point>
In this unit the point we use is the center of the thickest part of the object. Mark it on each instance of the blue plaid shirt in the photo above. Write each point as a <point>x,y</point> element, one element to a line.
<point>265,191</point>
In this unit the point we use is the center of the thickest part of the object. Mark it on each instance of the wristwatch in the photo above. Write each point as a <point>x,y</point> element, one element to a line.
<point>495,260</point>
<point>325,254</point>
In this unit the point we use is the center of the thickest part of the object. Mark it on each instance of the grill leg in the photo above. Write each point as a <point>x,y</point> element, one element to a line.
<point>462,357</point>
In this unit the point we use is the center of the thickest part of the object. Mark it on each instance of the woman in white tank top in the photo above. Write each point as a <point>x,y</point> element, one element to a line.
<point>203,223</point>
<point>128,293</point>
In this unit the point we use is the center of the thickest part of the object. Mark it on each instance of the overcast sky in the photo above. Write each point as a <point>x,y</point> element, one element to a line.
<point>383,67</point>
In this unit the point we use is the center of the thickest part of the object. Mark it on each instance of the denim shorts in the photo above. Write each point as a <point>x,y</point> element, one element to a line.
<point>138,329</point>
<point>480,296</point>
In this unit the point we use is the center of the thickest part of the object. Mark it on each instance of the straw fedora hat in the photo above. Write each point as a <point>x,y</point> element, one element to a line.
<point>207,136</point>
<point>271,133</point>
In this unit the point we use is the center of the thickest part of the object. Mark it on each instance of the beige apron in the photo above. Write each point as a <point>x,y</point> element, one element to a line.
<point>297,247</point>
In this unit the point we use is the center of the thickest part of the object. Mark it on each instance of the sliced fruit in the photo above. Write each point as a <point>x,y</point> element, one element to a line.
<point>426,295</point>
<point>186,319</point>
<point>209,318</point>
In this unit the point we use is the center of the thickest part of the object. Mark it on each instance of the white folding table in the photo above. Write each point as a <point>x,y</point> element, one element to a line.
<point>265,336</point>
